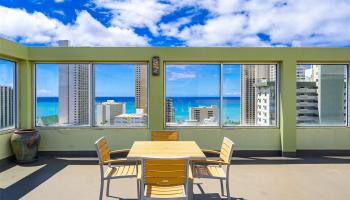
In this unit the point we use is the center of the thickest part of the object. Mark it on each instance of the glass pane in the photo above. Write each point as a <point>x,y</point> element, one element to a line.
<point>121,95</point>
<point>249,95</point>
<point>7,94</point>
<point>192,95</point>
<point>62,94</point>
<point>321,95</point>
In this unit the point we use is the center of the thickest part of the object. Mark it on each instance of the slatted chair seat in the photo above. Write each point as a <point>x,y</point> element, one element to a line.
<point>113,168</point>
<point>121,171</point>
<point>214,169</point>
<point>166,192</point>
<point>209,171</point>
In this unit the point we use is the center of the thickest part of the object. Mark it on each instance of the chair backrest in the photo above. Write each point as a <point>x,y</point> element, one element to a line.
<point>102,149</point>
<point>165,172</point>
<point>226,150</point>
<point>164,135</point>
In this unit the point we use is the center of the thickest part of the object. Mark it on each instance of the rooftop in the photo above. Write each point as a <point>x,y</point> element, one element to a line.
<point>272,178</point>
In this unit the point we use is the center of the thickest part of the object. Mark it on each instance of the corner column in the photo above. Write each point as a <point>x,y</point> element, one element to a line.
<point>288,107</point>
<point>25,94</point>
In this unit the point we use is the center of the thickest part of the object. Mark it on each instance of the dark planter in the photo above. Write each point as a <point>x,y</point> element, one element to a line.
<point>25,143</point>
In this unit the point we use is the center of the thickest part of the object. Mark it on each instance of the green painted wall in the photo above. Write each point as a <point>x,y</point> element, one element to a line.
<point>287,137</point>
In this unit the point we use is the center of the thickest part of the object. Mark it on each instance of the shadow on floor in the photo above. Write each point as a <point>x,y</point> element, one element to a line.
<point>30,182</point>
<point>297,160</point>
<point>54,165</point>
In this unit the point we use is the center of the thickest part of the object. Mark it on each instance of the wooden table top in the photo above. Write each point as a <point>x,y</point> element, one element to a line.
<point>168,149</point>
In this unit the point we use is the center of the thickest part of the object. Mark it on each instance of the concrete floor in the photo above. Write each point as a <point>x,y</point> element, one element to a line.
<point>251,178</point>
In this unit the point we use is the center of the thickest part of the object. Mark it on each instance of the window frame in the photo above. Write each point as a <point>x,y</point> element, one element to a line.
<point>221,65</point>
<point>15,98</point>
<point>93,95</point>
<point>91,110</point>
<point>35,96</point>
<point>346,124</point>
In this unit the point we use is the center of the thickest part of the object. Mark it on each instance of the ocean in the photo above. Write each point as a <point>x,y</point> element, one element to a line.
<point>48,106</point>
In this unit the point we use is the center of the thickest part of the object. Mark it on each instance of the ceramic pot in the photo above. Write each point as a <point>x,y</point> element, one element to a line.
<point>25,144</point>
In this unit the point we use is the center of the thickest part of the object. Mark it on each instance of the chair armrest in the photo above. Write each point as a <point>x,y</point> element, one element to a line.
<point>211,162</point>
<point>119,151</point>
<point>211,151</point>
<point>139,172</point>
<point>111,161</point>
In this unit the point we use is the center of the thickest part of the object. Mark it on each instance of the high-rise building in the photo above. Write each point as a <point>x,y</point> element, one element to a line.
<point>141,87</point>
<point>265,103</point>
<point>106,112</point>
<point>307,102</point>
<point>169,110</point>
<point>202,113</point>
<point>6,106</point>
<point>73,92</point>
<point>250,76</point>
<point>301,73</point>
<point>248,94</point>
<point>138,119</point>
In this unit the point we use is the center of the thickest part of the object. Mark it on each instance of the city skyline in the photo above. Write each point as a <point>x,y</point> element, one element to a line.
<point>108,74</point>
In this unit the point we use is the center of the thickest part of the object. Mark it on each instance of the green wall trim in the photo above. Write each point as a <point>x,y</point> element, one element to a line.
<point>285,138</point>
<point>13,50</point>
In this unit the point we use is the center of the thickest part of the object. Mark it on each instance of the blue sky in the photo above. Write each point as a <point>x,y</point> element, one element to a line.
<point>200,80</point>
<point>237,23</point>
<point>6,73</point>
<point>111,80</point>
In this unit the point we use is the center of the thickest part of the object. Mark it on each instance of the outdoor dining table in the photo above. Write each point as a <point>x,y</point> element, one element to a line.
<point>166,149</point>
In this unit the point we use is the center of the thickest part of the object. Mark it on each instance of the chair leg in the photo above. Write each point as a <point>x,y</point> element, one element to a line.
<point>101,189</point>
<point>222,187</point>
<point>107,190</point>
<point>138,189</point>
<point>228,189</point>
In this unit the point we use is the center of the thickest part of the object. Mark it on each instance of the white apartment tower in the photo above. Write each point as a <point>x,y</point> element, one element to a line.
<point>265,105</point>
<point>141,87</point>
<point>6,106</point>
<point>169,110</point>
<point>107,111</point>
<point>73,92</point>
<point>202,113</point>
<point>251,75</point>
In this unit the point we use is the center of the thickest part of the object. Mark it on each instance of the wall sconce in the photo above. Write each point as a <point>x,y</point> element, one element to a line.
<point>155,65</point>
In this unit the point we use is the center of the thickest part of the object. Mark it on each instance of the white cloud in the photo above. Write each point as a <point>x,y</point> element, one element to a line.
<point>173,76</point>
<point>85,31</point>
<point>60,12</point>
<point>45,93</point>
<point>229,23</point>
<point>59,1</point>
<point>136,13</point>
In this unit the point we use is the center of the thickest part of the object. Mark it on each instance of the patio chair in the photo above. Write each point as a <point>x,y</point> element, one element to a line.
<point>164,135</point>
<point>121,168</point>
<point>214,169</point>
<point>164,178</point>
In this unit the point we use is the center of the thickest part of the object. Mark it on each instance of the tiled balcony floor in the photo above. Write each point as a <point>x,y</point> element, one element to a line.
<point>251,178</point>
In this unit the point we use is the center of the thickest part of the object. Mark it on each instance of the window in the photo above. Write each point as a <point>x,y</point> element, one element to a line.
<point>192,95</point>
<point>121,95</point>
<point>249,95</point>
<point>7,94</point>
<point>195,95</point>
<point>62,94</point>
<point>321,95</point>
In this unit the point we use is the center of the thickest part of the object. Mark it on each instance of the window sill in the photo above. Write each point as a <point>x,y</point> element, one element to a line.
<point>6,130</point>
